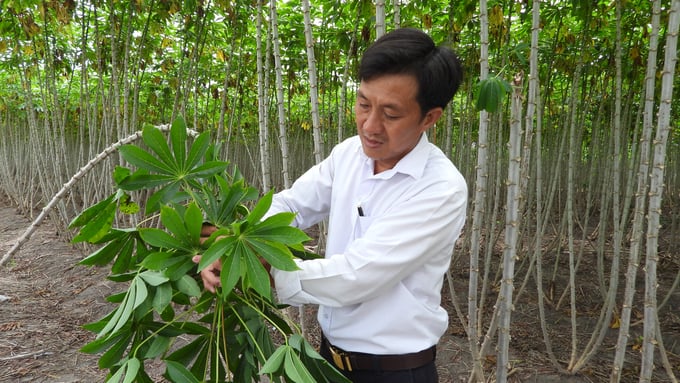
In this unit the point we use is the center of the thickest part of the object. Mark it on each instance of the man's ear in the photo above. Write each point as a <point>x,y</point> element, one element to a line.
<point>431,117</point>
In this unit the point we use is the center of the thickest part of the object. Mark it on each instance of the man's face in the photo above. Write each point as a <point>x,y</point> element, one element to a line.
<point>389,119</point>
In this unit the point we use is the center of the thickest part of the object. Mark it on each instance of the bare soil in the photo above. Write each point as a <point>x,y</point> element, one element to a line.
<point>45,298</point>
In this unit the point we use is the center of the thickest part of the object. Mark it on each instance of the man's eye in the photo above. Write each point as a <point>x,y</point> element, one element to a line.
<point>390,117</point>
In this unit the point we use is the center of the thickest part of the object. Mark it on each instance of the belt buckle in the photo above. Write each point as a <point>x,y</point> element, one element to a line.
<point>340,358</point>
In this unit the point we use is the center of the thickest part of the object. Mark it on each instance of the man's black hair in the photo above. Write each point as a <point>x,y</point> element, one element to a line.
<point>437,70</point>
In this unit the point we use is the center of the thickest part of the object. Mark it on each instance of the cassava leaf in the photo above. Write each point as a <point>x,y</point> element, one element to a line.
<point>143,160</point>
<point>197,150</point>
<point>178,373</point>
<point>275,361</point>
<point>261,208</point>
<point>178,137</point>
<point>99,223</point>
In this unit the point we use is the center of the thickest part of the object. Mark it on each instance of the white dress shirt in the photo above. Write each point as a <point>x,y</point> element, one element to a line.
<point>379,286</point>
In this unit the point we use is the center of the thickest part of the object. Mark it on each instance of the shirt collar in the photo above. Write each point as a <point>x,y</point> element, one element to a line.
<point>413,163</point>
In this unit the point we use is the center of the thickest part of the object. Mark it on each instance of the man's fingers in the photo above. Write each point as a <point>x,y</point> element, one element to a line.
<point>211,279</point>
<point>207,229</point>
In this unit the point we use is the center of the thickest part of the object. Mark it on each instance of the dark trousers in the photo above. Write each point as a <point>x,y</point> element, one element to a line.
<point>424,374</point>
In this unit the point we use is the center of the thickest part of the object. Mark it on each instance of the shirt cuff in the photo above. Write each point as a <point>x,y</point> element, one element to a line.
<point>287,285</point>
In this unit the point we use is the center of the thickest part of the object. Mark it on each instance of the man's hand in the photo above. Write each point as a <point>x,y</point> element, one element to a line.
<point>211,274</point>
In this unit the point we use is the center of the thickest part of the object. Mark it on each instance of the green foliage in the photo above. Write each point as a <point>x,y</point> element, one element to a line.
<point>491,92</point>
<point>230,332</point>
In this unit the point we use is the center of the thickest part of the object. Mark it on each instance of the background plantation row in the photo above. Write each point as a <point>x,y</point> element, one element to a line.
<point>572,167</point>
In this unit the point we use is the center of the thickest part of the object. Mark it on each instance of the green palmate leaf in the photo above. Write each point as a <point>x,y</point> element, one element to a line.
<point>256,276</point>
<point>124,258</point>
<point>222,211</point>
<point>156,141</point>
<point>115,354</point>
<point>220,247</point>
<point>144,180</point>
<point>179,269</point>
<point>188,286</point>
<point>141,292</point>
<point>143,160</point>
<point>96,223</point>
<point>193,219</point>
<point>161,260</point>
<point>295,369</point>
<point>261,208</point>
<point>161,239</point>
<point>104,254</point>
<point>231,272</point>
<point>99,345</point>
<point>284,234</point>
<point>92,212</point>
<point>124,311</point>
<point>167,193</point>
<point>299,251</point>
<point>162,297</point>
<point>131,370</point>
<point>491,93</point>
<point>178,373</point>
<point>186,354</point>
<point>277,220</point>
<point>178,137</point>
<point>172,221</point>
<point>120,173</point>
<point>317,366</point>
<point>208,169</point>
<point>276,254</point>
<point>159,345</point>
<point>153,278</point>
<point>115,378</point>
<point>275,361</point>
<point>198,150</point>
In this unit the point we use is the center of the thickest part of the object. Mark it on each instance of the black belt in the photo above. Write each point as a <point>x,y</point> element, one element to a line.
<point>351,361</point>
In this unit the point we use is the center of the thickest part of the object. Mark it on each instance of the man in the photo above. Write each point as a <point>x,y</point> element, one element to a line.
<point>395,205</point>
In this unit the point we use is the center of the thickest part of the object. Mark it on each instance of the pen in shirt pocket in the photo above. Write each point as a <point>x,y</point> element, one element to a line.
<point>360,210</point>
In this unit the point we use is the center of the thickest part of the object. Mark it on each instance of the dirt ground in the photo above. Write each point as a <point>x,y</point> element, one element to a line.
<point>45,298</point>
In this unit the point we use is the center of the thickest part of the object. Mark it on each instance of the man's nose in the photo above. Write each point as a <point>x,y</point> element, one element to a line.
<point>373,123</point>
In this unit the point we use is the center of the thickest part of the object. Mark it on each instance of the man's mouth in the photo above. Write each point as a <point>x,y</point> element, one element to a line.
<point>371,143</point>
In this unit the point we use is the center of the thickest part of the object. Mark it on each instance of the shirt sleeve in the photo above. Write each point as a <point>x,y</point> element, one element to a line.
<point>308,197</point>
<point>416,234</point>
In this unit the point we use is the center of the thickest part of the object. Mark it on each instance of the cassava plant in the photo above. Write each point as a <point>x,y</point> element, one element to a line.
<point>225,337</point>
